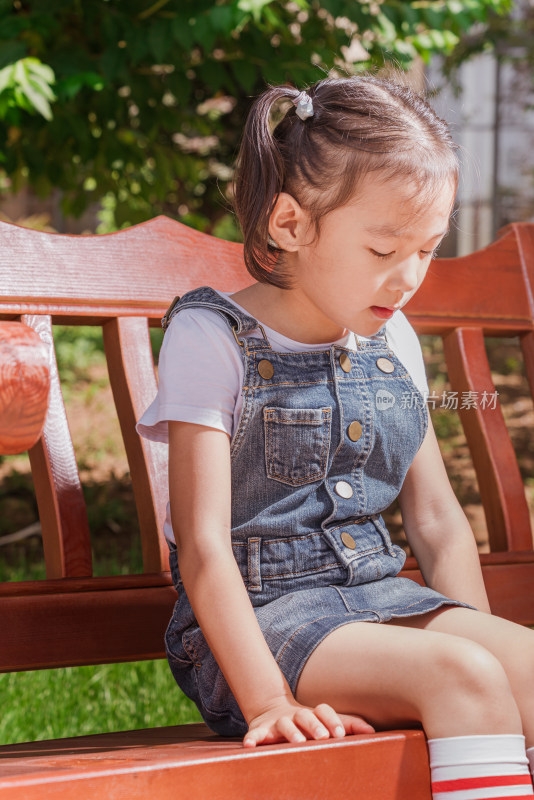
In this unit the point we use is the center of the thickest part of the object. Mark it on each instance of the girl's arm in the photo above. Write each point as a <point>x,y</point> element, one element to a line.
<point>200,485</point>
<point>438,531</point>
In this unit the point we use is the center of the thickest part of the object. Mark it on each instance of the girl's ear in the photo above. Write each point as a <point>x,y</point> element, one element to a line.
<point>288,223</point>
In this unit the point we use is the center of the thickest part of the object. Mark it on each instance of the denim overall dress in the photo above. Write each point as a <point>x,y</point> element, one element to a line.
<point>322,447</point>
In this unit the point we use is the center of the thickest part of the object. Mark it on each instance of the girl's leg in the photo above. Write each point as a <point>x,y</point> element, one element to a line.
<point>455,687</point>
<point>396,676</point>
<point>511,644</point>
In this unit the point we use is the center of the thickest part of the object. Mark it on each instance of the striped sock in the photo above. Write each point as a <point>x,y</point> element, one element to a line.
<point>530,756</point>
<point>479,768</point>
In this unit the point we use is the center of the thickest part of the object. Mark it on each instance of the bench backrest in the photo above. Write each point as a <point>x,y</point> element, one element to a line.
<point>124,282</point>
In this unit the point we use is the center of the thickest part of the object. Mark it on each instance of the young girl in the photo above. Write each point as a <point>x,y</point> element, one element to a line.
<point>288,436</point>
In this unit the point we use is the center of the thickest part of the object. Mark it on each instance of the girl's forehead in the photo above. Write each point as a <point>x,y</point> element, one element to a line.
<point>395,208</point>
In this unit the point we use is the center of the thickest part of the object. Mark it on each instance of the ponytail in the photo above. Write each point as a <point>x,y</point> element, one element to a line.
<point>259,180</point>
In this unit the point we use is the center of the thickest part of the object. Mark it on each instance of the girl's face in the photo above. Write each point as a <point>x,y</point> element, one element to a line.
<point>369,258</point>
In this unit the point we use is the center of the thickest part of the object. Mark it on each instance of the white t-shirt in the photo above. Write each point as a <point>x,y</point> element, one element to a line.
<point>201,369</point>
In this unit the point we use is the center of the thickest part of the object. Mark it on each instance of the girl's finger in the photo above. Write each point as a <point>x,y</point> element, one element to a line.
<point>310,724</point>
<point>331,720</point>
<point>255,736</point>
<point>354,724</point>
<point>287,728</point>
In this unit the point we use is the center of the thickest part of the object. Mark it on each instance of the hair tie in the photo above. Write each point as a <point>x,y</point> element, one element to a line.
<point>304,105</point>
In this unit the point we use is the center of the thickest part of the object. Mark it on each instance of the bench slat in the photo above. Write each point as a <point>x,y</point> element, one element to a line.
<point>122,618</point>
<point>138,270</point>
<point>487,289</point>
<point>500,482</point>
<point>90,627</point>
<point>133,382</point>
<point>527,347</point>
<point>62,511</point>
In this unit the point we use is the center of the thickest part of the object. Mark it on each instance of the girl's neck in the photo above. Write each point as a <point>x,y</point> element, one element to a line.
<point>286,311</point>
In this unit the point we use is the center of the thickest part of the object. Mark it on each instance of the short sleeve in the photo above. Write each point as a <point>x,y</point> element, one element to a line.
<point>405,344</point>
<point>200,375</point>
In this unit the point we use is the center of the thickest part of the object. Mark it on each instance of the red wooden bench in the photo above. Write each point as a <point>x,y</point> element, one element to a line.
<point>124,283</point>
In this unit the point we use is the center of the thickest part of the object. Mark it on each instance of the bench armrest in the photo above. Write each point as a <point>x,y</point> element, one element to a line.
<point>24,387</point>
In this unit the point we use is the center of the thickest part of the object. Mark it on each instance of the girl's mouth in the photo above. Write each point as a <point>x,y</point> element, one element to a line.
<point>383,312</point>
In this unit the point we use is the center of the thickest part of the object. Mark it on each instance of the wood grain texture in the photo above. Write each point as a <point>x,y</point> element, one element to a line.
<point>24,387</point>
<point>136,271</point>
<point>490,289</point>
<point>132,378</point>
<point>527,346</point>
<point>189,762</point>
<point>62,511</point>
<point>89,584</point>
<point>91,627</point>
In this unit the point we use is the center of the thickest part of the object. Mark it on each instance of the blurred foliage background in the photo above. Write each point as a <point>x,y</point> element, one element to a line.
<point>138,106</point>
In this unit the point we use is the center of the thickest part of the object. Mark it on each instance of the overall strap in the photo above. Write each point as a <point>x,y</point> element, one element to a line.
<point>377,341</point>
<point>206,297</point>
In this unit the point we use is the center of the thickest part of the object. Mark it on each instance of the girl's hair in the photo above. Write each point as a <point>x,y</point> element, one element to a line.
<point>359,125</point>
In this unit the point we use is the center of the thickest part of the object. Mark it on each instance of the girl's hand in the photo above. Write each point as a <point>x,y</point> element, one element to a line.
<point>290,721</point>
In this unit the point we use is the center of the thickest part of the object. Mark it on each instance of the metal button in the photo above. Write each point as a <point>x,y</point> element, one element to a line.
<point>354,431</point>
<point>348,540</point>
<point>385,365</point>
<point>343,489</point>
<point>344,362</point>
<point>266,369</point>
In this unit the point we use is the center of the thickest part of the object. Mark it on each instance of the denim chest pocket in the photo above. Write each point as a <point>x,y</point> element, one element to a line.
<point>297,441</point>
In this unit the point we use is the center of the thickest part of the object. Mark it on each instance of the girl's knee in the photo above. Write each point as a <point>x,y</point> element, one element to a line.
<point>471,667</point>
<point>470,676</point>
<point>471,692</point>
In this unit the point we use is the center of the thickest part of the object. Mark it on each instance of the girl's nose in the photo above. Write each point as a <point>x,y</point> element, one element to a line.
<point>407,275</point>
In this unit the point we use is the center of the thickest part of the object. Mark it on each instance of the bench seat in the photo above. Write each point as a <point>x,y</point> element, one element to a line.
<point>188,761</point>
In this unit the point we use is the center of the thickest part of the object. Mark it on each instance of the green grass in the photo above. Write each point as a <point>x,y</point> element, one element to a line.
<point>74,701</point>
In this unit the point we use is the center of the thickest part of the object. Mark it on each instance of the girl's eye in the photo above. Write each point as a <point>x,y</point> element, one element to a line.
<point>382,255</point>
<point>432,253</point>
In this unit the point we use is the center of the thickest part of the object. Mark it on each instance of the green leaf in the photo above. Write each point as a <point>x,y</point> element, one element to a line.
<point>137,44</point>
<point>160,39</point>
<point>70,87</point>
<point>432,17</point>
<point>38,101</point>
<point>182,31</point>
<point>246,74</point>
<point>222,19</point>
<point>7,77</point>
<point>41,87</point>
<point>20,74</point>
<point>203,33</point>
<point>254,7</point>
<point>212,74</point>
<point>387,27</point>
<point>21,99</point>
<point>41,70</point>
<point>180,86</point>
<point>111,62</point>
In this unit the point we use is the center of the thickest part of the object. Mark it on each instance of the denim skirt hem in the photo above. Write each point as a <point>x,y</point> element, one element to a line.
<point>300,644</point>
